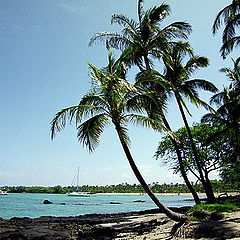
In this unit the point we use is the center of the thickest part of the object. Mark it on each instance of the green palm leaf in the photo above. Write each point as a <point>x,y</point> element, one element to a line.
<point>89,132</point>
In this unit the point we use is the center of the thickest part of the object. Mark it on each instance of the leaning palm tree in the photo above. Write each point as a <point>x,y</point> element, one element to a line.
<point>142,39</point>
<point>109,101</point>
<point>230,16</point>
<point>154,100</point>
<point>176,81</point>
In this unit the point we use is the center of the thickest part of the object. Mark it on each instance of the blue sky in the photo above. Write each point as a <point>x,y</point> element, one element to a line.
<point>43,68</point>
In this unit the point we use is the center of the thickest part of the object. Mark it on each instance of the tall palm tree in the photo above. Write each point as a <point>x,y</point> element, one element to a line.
<point>154,102</point>
<point>176,80</point>
<point>230,16</point>
<point>143,38</point>
<point>109,101</point>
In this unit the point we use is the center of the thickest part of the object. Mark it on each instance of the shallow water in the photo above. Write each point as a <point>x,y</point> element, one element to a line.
<point>31,205</point>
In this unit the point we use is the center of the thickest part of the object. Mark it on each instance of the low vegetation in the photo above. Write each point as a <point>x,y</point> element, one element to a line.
<point>204,211</point>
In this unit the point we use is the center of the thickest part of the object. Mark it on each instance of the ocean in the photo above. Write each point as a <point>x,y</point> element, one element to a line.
<point>31,204</point>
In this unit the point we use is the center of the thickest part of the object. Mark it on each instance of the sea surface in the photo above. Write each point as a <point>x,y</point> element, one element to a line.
<point>31,204</point>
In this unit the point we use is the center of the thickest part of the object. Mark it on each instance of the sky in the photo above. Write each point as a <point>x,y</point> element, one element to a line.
<point>43,68</point>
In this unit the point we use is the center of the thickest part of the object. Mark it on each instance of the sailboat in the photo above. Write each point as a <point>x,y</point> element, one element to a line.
<point>78,193</point>
<point>2,192</point>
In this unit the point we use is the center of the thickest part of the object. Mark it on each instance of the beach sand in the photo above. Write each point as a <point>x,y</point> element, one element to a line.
<point>158,194</point>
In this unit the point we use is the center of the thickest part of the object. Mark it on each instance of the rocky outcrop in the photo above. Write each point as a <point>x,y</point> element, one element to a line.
<point>47,202</point>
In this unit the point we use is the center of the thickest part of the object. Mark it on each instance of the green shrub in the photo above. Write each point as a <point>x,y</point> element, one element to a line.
<point>223,206</point>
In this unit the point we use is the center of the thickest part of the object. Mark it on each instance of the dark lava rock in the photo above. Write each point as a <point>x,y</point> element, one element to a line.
<point>47,202</point>
<point>140,201</point>
<point>115,203</point>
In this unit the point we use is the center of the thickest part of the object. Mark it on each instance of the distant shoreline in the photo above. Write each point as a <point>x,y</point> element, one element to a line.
<point>157,194</point>
<point>142,194</point>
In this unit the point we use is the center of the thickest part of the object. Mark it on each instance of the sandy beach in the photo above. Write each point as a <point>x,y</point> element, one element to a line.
<point>158,194</point>
<point>170,194</point>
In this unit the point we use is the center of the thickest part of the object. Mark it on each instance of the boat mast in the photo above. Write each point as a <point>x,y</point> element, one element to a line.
<point>77,178</point>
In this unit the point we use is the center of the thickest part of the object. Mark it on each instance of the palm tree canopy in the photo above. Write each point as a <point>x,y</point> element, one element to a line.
<point>111,99</point>
<point>144,37</point>
<point>176,74</point>
<point>230,17</point>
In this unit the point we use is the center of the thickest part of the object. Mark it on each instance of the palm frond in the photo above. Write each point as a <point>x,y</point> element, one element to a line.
<point>68,115</point>
<point>118,42</point>
<point>229,31</point>
<point>195,63</point>
<point>176,30</point>
<point>140,10</point>
<point>89,132</point>
<point>218,98</point>
<point>224,14</point>
<point>102,36</point>
<point>228,46</point>
<point>147,122</point>
<point>124,21</point>
<point>201,84</point>
<point>157,14</point>
<point>59,121</point>
<point>209,117</point>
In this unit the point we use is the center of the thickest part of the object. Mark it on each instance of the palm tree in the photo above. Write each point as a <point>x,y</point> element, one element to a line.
<point>154,102</point>
<point>143,38</point>
<point>228,103</point>
<point>230,16</point>
<point>227,118</point>
<point>140,40</point>
<point>109,101</point>
<point>175,80</point>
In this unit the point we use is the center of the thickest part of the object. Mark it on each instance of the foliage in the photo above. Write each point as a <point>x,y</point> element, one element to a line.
<point>210,153</point>
<point>220,206</point>
<point>229,17</point>
<point>227,118</point>
<point>143,38</point>
<point>218,186</point>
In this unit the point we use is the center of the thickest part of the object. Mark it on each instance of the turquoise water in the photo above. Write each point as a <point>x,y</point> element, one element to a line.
<point>31,205</point>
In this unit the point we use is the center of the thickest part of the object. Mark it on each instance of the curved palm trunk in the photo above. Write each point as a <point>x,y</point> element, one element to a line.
<point>206,185</point>
<point>182,169</point>
<point>172,215</point>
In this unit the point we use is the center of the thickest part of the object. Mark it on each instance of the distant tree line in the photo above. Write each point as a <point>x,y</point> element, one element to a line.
<point>218,186</point>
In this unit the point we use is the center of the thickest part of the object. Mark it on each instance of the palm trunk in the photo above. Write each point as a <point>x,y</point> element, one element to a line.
<point>206,185</point>
<point>182,169</point>
<point>172,215</point>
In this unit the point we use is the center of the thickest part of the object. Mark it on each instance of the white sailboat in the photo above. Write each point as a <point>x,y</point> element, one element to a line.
<point>78,193</point>
<point>3,192</point>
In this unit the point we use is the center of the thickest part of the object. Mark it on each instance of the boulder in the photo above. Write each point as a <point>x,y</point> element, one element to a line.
<point>47,202</point>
